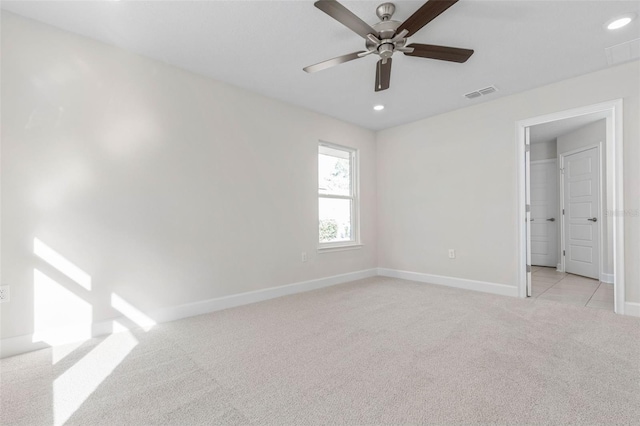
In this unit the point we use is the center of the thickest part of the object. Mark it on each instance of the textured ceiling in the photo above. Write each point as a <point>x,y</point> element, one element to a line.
<point>263,46</point>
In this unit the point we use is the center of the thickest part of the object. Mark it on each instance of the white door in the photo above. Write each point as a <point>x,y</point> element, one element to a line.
<point>544,212</point>
<point>581,172</point>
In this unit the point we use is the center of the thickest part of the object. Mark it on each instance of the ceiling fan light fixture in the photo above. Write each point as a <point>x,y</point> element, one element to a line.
<point>620,21</point>
<point>378,107</point>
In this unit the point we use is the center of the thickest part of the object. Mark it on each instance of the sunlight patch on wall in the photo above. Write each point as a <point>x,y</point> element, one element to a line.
<point>59,315</point>
<point>135,315</point>
<point>75,386</point>
<point>61,263</point>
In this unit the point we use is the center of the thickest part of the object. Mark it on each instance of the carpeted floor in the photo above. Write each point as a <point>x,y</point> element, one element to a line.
<point>375,351</point>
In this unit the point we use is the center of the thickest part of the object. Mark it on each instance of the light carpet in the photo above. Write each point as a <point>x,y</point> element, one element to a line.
<point>374,351</point>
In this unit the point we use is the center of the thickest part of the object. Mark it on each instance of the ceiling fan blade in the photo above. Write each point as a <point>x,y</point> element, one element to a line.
<point>333,62</point>
<point>347,18</point>
<point>427,13</point>
<point>383,74</point>
<point>443,53</point>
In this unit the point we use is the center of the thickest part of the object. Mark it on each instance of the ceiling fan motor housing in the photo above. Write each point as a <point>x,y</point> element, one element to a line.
<point>386,31</point>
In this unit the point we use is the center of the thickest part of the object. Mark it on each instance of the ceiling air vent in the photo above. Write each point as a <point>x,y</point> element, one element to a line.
<point>623,52</point>
<point>487,90</point>
<point>481,92</point>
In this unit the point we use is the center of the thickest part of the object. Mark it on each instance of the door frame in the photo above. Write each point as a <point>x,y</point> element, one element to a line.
<point>601,201</point>
<point>613,149</point>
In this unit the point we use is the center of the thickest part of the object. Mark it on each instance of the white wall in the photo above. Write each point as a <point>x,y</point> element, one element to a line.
<point>593,134</point>
<point>544,150</point>
<point>450,181</point>
<point>164,186</point>
<point>590,134</point>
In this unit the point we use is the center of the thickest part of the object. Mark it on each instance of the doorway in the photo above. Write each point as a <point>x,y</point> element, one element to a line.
<point>582,244</point>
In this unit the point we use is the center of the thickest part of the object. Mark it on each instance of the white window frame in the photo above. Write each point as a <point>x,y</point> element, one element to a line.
<point>354,173</point>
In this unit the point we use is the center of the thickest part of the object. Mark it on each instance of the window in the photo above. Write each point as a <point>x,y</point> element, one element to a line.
<point>337,196</point>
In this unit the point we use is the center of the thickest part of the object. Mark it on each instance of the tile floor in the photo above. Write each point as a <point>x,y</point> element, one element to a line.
<point>547,283</point>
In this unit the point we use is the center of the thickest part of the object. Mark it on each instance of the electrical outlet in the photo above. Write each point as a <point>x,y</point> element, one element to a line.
<point>4,294</point>
<point>304,256</point>
<point>452,254</point>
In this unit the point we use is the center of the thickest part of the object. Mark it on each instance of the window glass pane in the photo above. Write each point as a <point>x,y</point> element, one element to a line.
<point>334,172</point>
<point>335,220</point>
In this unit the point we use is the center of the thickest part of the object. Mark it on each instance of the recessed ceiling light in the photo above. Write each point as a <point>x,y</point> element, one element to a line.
<point>619,22</point>
<point>378,107</point>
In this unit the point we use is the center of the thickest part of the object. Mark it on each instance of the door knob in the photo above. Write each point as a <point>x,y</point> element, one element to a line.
<point>553,219</point>
<point>593,219</point>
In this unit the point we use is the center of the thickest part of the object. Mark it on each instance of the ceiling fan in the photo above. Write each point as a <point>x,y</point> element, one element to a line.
<point>387,37</point>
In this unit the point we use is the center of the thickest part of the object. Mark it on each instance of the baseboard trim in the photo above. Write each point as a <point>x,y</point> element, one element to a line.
<point>463,283</point>
<point>21,344</point>
<point>606,278</point>
<point>226,302</point>
<point>632,309</point>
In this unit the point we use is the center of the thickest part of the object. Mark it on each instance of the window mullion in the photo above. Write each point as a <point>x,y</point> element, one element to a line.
<point>338,197</point>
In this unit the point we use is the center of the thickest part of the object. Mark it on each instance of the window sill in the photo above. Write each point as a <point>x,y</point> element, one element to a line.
<point>328,249</point>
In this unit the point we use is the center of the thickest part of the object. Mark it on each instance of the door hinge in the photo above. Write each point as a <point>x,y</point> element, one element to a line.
<point>564,253</point>
<point>527,208</point>
<point>528,268</point>
<point>563,211</point>
<point>527,148</point>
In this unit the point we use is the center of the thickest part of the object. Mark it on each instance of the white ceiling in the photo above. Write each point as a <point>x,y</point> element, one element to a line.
<point>549,131</point>
<point>263,46</point>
